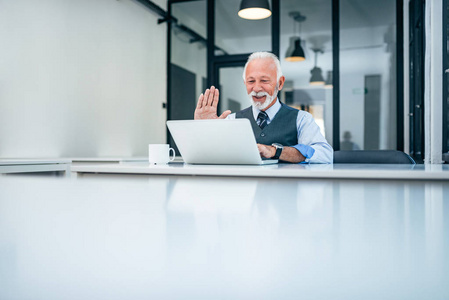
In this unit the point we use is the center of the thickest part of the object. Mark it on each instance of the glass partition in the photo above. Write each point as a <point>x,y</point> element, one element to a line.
<point>188,50</point>
<point>311,22</point>
<point>233,94</point>
<point>188,57</point>
<point>368,79</point>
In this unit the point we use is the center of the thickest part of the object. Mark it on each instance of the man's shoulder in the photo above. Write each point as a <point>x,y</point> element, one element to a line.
<point>291,110</point>
<point>289,107</point>
<point>302,114</point>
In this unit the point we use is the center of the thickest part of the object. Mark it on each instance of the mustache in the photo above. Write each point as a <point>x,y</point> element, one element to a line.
<point>259,94</point>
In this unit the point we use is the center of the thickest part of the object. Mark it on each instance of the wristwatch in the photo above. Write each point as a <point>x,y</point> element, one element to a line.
<point>279,149</point>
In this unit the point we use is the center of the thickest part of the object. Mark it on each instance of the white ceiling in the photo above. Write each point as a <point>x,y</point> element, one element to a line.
<point>358,18</point>
<point>353,14</point>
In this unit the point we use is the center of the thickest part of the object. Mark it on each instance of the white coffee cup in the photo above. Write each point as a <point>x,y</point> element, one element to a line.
<point>160,154</point>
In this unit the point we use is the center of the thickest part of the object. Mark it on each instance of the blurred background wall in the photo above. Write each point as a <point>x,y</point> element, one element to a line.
<point>81,78</point>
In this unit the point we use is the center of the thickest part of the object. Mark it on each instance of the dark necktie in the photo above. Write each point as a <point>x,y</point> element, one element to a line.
<point>262,119</point>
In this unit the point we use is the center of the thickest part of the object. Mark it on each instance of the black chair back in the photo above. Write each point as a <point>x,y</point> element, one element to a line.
<point>372,157</point>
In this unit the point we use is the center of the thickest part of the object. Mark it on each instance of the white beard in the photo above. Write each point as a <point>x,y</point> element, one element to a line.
<point>269,98</point>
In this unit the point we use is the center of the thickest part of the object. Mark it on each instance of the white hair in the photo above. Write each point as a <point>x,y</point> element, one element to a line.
<point>259,55</point>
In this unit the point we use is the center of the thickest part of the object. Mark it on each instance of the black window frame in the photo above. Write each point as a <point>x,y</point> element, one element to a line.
<point>416,89</point>
<point>445,76</point>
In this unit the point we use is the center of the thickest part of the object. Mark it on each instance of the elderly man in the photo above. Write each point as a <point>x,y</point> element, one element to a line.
<point>281,132</point>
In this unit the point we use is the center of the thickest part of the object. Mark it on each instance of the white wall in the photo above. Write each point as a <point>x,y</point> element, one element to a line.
<point>80,78</point>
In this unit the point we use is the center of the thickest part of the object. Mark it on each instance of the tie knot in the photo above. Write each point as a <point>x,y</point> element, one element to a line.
<point>263,115</point>
<point>262,119</point>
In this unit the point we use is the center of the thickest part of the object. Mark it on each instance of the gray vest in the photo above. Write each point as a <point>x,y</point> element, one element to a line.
<point>282,128</point>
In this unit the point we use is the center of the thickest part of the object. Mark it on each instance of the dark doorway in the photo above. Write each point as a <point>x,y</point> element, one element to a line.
<point>182,97</point>
<point>372,112</point>
<point>417,50</point>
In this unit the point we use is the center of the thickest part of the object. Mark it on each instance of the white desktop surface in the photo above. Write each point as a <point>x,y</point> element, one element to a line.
<point>108,159</point>
<point>347,171</point>
<point>197,237</point>
<point>32,165</point>
<point>32,161</point>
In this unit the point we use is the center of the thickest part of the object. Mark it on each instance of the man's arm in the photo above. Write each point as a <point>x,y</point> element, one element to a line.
<point>207,105</point>
<point>288,154</point>
<point>311,142</point>
<point>312,147</point>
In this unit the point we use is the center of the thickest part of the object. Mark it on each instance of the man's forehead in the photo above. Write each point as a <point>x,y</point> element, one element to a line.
<point>262,61</point>
<point>262,64</point>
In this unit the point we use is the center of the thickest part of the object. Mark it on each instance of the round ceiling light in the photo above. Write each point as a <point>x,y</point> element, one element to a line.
<point>254,9</point>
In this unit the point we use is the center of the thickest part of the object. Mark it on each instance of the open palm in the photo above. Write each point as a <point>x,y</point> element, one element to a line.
<point>207,105</point>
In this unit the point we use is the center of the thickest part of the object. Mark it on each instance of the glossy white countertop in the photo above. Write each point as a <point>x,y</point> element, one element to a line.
<point>34,165</point>
<point>197,237</point>
<point>65,160</point>
<point>33,161</point>
<point>109,159</point>
<point>347,171</point>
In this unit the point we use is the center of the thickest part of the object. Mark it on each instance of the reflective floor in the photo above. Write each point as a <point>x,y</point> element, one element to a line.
<point>143,237</point>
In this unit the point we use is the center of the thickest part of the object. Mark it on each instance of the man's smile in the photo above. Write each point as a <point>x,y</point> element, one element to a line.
<point>261,98</point>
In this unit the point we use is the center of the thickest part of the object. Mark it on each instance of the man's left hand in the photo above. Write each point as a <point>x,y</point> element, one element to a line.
<point>266,151</point>
<point>289,154</point>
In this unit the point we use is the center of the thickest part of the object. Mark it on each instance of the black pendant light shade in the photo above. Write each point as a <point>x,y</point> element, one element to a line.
<point>254,9</point>
<point>317,76</point>
<point>295,51</point>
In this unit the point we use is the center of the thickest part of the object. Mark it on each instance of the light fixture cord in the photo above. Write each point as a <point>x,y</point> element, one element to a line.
<point>294,27</point>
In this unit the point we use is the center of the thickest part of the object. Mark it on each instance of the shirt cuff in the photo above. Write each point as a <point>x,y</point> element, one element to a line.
<point>305,150</point>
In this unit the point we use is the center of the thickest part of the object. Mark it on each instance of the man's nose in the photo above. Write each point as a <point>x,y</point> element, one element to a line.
<point>258,87</point>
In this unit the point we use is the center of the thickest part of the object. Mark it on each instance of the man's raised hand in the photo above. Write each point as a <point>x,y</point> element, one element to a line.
<point>207,105</point>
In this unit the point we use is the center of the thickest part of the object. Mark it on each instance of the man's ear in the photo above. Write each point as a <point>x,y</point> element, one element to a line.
<point>281,82</point>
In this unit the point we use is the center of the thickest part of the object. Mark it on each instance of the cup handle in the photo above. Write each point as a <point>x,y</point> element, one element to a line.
<point>174,154</point>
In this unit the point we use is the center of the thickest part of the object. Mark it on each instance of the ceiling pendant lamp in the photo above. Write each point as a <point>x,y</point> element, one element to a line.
<point>317,73</point>
<point>328,83</point>
<point>294,51</point>
<point>317,76</point>
<point>254,9</point>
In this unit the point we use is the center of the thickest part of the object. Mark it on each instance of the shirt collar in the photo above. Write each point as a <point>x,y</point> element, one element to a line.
<point>271,112</point>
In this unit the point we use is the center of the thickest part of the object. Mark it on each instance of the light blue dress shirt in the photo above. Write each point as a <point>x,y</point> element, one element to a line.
<point>311,143</point>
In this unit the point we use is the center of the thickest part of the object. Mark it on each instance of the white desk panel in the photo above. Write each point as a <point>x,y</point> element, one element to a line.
<point>337,171</point>
<point>110,159</point>
<point>32,161</point>
<point>197,237</point>
<point>29,165</point>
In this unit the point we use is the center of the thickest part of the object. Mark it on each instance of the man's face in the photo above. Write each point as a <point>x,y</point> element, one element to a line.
<point>261,84</point>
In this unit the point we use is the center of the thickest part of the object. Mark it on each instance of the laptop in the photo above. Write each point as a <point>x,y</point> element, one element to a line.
<point>217,142</point>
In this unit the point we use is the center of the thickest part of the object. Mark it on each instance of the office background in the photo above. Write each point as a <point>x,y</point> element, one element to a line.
<point>100,78</point>
<point>93,81</point>
<point>80,78</point>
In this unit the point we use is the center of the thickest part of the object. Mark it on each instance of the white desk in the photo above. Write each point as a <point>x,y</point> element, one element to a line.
<point>15,165</point>
<point>113,160</point>
<point>198,237</point>
<point>336,171</point>
<point>109,159</point>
